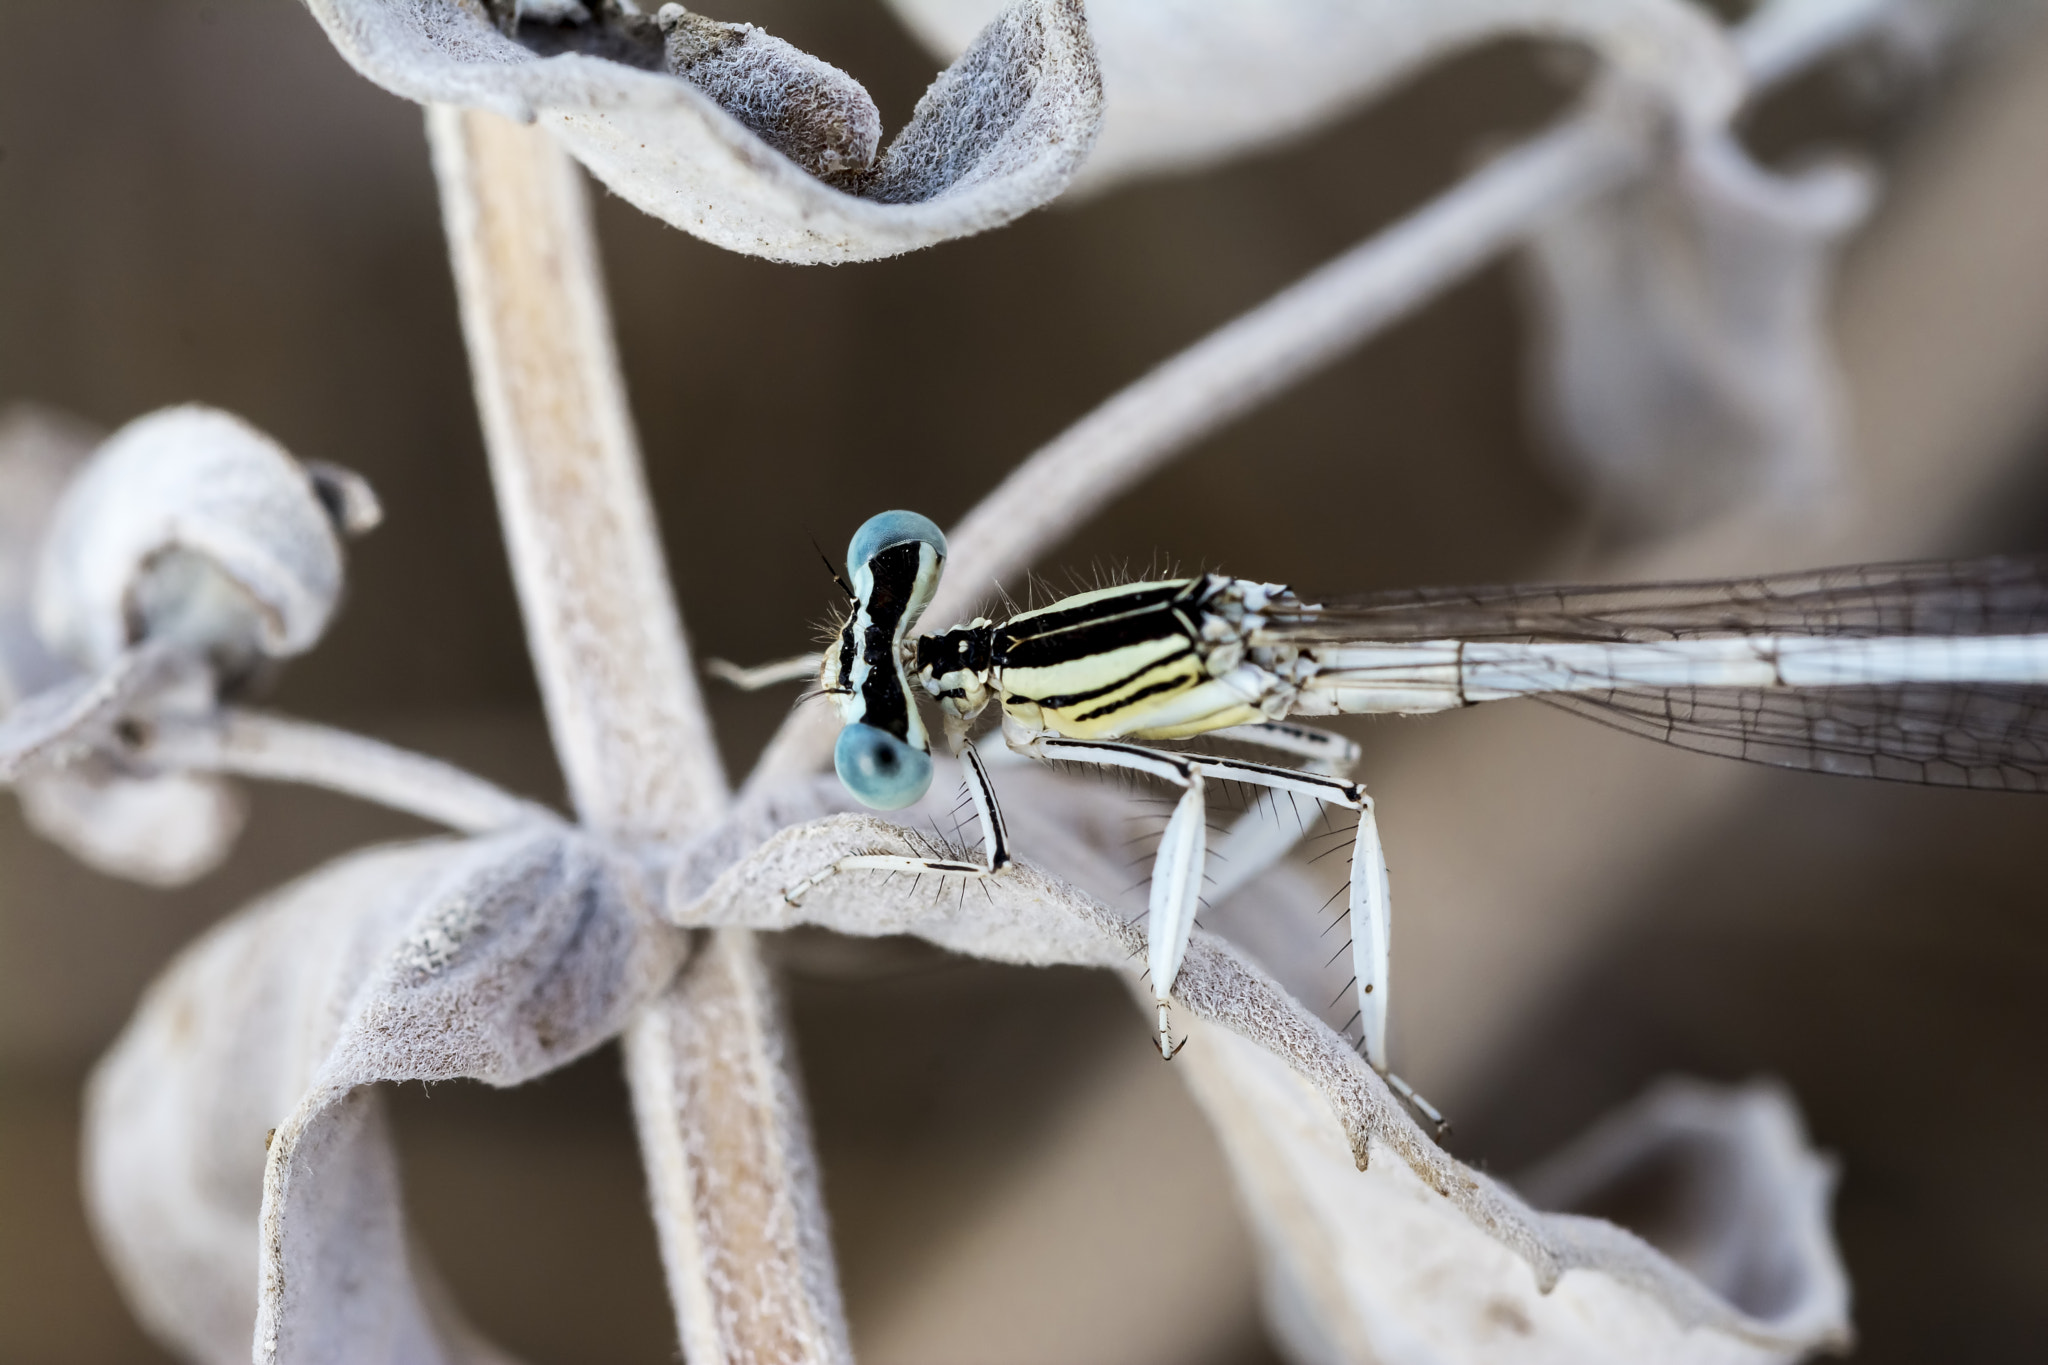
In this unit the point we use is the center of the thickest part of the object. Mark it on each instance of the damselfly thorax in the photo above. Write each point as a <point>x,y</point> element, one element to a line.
<point>1932,673</point>
<point>1144,661</point>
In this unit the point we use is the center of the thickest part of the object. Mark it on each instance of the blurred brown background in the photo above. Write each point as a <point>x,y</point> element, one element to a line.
<point>200,201</point>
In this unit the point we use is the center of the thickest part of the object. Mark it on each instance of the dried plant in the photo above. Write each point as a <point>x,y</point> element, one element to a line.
<point>239,1166</point>
<point>739,137</point>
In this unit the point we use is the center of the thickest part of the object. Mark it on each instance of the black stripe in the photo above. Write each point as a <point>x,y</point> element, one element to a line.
<point>1082,640</point>
<point>1169,685</point>
<point>893,573</point>
<point>964,647</point>
<point>1076,698</point>
<point>846,655</point>
<point>1056,617</point>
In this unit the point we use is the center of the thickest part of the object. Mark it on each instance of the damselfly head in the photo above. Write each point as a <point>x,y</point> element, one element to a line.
<point>883,754</point>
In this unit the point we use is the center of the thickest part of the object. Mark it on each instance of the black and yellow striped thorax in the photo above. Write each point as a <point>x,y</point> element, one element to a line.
<point>1124,662</point>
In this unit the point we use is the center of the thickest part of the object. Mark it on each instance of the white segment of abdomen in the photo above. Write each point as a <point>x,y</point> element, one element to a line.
<point>1436,675</point>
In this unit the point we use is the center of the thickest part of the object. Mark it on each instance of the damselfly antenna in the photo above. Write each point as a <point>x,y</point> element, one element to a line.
<point>832,569</point>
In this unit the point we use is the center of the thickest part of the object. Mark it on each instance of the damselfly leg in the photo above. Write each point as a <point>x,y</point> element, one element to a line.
<point>995,841</point>
<point>1177,867</point>
<point>1258,839</point>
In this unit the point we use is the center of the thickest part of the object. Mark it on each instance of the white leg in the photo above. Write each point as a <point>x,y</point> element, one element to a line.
<point>1326,752</point>
<point>995,841</point>
<point>1176,867</point>
<point>1370,895</point>
<point>1371,926</point>
<point>1370,899</point>
<point>1257,840</point>
<point>1176,891</point>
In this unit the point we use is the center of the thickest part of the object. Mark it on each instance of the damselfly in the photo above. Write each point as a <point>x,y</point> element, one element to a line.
<point>1935,673</point>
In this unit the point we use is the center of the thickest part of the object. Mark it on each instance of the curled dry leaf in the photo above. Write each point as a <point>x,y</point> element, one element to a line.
<point>1683,362</point>
<point>71,721</point>
<point>1275,1077</point>
<point>1381,1266</point>
<point>233,1137</point>
<point>1723,1179</point>
<point>741,139</point>
<point>808,110</point>
<point>1372,1269</point>
<point>174,561</point>
<point>162,828</point>
<point>191,528</point>
<point>1191,82</point>
<point>1682,355</point>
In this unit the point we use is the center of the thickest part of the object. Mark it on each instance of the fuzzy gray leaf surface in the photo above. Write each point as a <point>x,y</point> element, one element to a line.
<point>233,1141</point>
<point>753,145</point>
<point>808,110</point>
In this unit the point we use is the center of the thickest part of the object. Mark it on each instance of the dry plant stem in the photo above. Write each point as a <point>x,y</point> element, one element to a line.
<point>1296,333</point>
<point>700,1050</point>
<point>1781,38</point>
<point>279,749</point>
<point>607,642</point>
<point>628,722</point>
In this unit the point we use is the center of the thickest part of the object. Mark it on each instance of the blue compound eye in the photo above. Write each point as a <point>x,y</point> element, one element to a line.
<point>884,529</point>
<point>881,771</point>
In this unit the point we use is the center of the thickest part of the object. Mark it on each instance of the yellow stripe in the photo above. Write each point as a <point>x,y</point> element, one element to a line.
<point>1141,667</point>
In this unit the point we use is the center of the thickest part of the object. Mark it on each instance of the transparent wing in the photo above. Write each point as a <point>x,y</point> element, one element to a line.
<point>1950,597</point>
<point>1949,736</point>
<point>1966,735</point>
